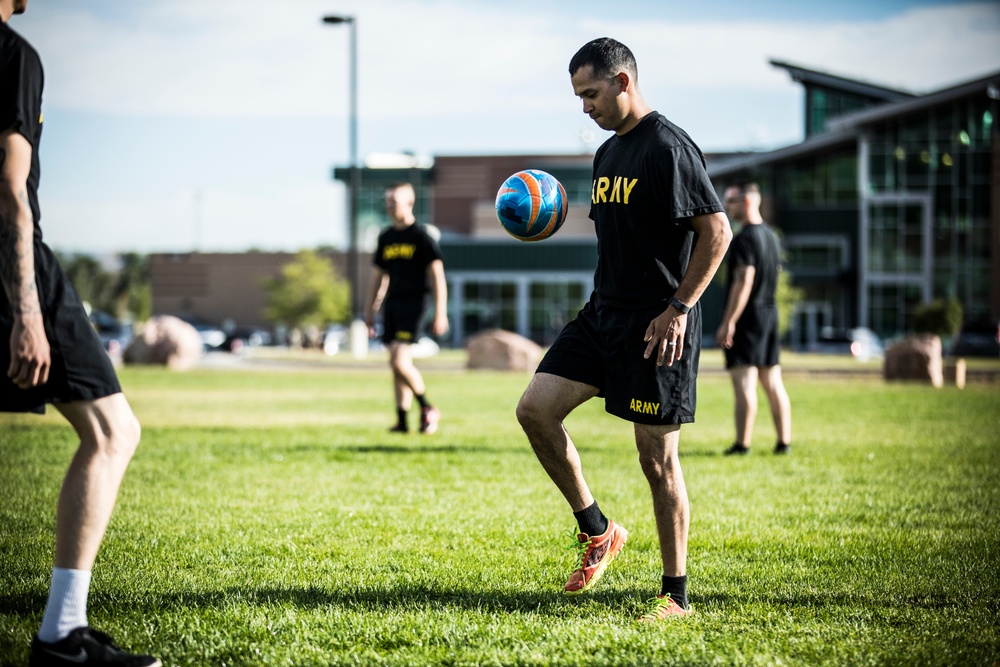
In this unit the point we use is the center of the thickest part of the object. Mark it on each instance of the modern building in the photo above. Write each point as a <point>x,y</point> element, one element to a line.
<point>892,200</point>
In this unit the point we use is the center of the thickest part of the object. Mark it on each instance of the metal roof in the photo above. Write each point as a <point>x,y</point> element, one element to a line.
<point>810,76</point>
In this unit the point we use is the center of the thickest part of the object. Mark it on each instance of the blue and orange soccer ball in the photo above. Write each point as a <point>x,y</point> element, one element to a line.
<point>531,205</point>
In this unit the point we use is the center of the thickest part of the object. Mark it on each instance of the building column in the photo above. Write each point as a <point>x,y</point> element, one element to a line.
<point>523,305</point>
<point>456,293</point>
<point>863,185</point>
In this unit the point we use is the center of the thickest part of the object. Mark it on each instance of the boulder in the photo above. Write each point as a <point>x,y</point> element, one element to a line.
<point>501,350</point>
<point>916,358</point>
<point>167,341</point>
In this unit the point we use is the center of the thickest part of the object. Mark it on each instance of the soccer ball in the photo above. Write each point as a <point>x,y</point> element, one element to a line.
<point>531,205</point>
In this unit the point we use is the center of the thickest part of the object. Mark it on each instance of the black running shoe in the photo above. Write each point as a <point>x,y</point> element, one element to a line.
<point>738,449</point>
<point>781,448</point>
<point>85,646</point>
<point>399,428</point>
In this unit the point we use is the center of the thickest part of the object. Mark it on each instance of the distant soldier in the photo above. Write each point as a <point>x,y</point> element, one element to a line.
<point>405,261</point>
<point>749,330</point>
<point>52,354</point>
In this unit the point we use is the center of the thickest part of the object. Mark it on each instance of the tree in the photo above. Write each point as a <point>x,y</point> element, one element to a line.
<point>941,317</point>
<point>88,277</point>
<point>787,297</point>
<point>126,293</point>
<point>131,293</point>
<point>308,291</point>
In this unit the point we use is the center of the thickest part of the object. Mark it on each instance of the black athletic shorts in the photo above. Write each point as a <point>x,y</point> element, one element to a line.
<point>755,341</point>
<point>403,318</point>
<point>603,348</point>
<point>81,369</point>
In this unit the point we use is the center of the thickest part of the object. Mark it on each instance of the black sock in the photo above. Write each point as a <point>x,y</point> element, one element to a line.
<point>421,400</point>
<point>591,520</point>
<point>401,417</point>
<point>676,587</point>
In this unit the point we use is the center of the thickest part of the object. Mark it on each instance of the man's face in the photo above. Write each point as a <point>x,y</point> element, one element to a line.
<point>602,98</point>
<point>398,202</point>
<point>735,204</point>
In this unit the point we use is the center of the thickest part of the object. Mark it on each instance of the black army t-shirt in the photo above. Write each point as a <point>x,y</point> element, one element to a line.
<point>647,185</point>
<point>757,246</point>
<point>405,254</point>
<point>21,82</point>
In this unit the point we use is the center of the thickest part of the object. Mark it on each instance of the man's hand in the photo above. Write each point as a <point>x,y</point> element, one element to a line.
<point>439,326</point>
<point>665,334</point>
<point>724,335</point>
<point>30,357</point>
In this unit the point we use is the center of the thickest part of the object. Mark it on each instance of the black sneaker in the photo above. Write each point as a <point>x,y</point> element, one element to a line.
<point>399,428</point>
<point>781,448</point>
<point>85,646</point>
<point>738,449</point>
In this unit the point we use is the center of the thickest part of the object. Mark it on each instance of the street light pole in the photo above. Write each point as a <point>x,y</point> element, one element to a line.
<point>353,185</point>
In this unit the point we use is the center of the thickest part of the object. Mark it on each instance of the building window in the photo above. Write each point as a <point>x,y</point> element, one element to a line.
<point>489,305</point>
<point>552,305</point>
<point>890,307</point>
<point>817,255</point>
<point>826,181</point>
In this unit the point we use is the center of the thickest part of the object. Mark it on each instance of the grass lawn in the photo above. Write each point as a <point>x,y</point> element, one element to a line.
<point>269,519</point>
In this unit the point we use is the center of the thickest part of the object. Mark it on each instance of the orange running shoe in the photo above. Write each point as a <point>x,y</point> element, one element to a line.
<point>661,607</point>
<point>594,555</point>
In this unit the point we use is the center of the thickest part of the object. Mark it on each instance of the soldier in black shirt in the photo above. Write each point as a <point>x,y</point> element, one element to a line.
<point>51,354</point>
<point>405,259</point>
<point>749,330</point>
<point>661,235</point>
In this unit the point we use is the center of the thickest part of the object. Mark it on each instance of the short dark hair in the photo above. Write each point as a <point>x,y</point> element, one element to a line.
<point>746,187</point>
<point>607,56</point>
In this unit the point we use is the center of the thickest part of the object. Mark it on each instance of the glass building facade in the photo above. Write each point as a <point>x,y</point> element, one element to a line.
<point>929,210</point>
<point>887,208</point>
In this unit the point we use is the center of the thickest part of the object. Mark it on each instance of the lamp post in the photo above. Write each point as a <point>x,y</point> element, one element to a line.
<point>358,339</point>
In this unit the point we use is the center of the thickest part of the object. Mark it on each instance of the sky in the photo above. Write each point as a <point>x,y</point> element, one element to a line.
<point>213,125</point>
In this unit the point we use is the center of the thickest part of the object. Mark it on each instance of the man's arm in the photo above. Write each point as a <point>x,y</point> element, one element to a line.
<point>378,282</point>
<point>30,358</point>
<point>440,325</point>
<point>714,235</point>
<point>736,303</point>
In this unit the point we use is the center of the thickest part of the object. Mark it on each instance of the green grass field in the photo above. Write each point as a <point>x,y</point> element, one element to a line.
<point>270,519</point>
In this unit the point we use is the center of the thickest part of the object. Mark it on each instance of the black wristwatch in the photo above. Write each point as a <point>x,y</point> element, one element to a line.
<point>682,307</point>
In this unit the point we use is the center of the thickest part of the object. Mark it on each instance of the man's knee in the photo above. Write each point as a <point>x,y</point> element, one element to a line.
<point>122,437</point>
<point>527,412</point>
<point>770,378</point>
<point>657,447</point>
<point>106,426</point>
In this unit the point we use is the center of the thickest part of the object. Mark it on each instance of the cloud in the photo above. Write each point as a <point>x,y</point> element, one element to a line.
<point>427,57</point>
<point>245,100</point>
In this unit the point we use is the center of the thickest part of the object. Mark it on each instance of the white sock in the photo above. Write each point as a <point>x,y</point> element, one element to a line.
<point>67,606</point>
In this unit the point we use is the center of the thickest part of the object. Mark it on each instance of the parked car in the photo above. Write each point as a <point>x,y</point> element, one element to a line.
<point>977,339</point>
<point>115,335</point>
<point>861,343</point>
<point>241,338</point>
